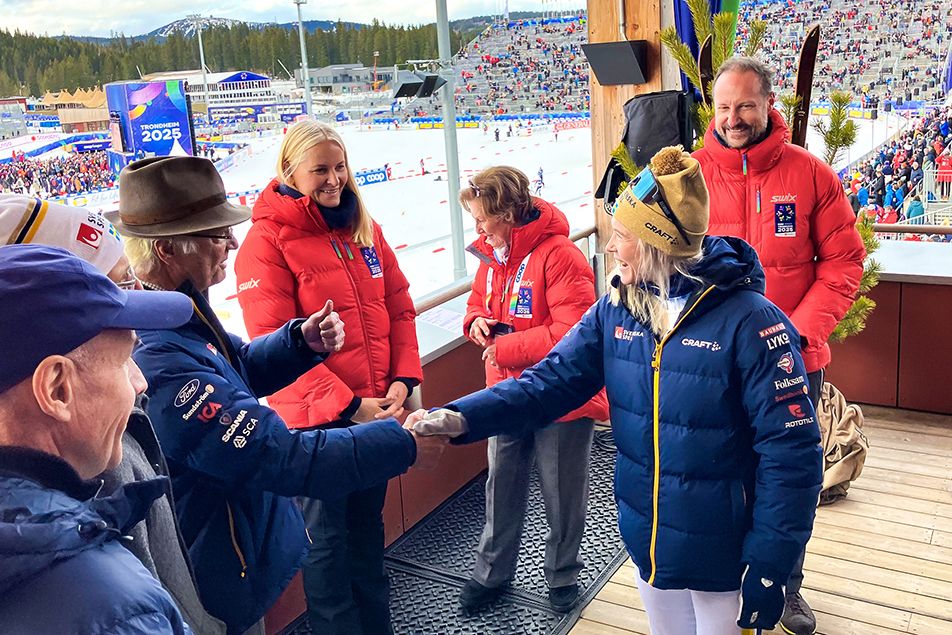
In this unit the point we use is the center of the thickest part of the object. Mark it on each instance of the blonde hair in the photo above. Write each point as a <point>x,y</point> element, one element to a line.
<point>303,136</point>
<point>504,193</point>
<point>647,297</point>
<point>142,255</point>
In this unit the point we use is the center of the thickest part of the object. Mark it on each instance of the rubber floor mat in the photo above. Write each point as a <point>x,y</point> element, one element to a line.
<point>429,564</point>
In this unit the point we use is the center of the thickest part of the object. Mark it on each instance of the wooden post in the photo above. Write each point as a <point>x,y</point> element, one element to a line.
<point>642,22</point>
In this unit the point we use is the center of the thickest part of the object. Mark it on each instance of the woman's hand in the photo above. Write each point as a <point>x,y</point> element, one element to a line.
<point>480,331</point>
<point>369,408</point>
<point>490,354</point>
<point>393,402</point>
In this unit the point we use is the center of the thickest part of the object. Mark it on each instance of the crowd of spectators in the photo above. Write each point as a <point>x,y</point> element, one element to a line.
<point>893,183</point>
<point>60,176</point>
<point>524,66</point>
<point>877,50</point>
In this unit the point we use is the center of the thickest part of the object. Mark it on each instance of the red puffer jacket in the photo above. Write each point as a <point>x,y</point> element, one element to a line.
<point>791,207</point>
<point>289,265</point>
<point>555,289</point>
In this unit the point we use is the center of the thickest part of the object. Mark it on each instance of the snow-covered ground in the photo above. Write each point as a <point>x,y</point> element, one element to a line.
<point>414,209</point>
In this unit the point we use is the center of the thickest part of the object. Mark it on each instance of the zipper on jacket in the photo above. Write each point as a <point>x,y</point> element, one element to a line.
<point>744,156</point>
<point>234,540</point>
<point>357,296</point>
<point>221,343</point>
<point>336,248</point>
<point>758,198</point>
<point>656,429</point>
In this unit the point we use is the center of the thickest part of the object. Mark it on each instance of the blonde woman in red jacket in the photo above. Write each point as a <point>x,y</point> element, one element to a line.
<point>313,239</point>
<point>532,286</point>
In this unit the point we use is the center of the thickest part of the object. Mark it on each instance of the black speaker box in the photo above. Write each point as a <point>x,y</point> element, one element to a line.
<point>616,63</point>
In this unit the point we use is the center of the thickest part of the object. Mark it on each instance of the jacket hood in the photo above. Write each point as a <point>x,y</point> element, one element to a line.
<point>761,156</point>
<point>728,262</point>
<point>41,525</point>
<point>299,212</point>
<point>550,221</point>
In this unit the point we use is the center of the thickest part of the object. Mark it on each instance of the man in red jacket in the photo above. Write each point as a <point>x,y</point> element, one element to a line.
<point>790,206</point>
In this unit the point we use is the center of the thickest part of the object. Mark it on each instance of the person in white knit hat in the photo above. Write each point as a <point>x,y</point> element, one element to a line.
<point>157,541</point>
<point>85,233</point>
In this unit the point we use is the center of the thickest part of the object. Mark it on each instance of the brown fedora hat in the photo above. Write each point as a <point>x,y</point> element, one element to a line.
<point>171,196</point>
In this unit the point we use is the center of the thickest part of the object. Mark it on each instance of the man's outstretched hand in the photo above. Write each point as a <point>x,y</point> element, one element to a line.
<point>324,330</point>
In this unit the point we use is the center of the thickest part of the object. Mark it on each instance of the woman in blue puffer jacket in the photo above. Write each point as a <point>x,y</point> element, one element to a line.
<point>719,464</point>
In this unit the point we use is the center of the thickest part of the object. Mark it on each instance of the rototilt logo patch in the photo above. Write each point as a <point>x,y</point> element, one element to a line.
<point>785,215</point>
<point>625,335</point>
<point>372,261</point>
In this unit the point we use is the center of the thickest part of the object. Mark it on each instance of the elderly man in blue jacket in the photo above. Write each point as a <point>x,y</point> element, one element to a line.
<point>234,463</point>
<point>67,386</point>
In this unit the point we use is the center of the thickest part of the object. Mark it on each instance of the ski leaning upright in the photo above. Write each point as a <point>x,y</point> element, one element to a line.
<point>805,68</point>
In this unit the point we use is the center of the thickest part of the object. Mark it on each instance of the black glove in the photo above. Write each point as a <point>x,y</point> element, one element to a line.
<point>761,598</point>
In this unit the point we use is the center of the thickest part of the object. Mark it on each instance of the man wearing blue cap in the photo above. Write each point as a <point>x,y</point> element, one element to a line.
<point>67,386</point>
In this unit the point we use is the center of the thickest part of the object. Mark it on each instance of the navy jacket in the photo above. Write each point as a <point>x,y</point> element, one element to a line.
<point>234,464</point>
<point>719,462</point>
<point>62,567</point>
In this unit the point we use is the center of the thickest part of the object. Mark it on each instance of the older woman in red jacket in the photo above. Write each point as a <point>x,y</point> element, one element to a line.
<point>313,239</point>
<point>532,286</point>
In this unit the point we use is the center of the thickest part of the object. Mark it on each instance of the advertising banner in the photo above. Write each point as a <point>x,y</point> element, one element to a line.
<point>153,117</point>
<point>369,177</point>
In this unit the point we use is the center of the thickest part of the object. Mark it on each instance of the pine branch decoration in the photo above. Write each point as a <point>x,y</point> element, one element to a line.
<point>701,14</point>
<point>788,108</point>
<point>723,48</point>
<point>758,28</point>
<point>681,54</point>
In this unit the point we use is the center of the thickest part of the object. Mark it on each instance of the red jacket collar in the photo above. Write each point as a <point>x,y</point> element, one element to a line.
<point>760,157</point>
<point>550,222</point>
<point>301,213</point>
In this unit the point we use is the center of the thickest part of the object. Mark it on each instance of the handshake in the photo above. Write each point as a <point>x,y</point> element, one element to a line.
<point>432,432</point>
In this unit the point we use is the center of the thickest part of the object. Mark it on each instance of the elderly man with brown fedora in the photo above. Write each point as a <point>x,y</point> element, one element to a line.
<point>234,463</point>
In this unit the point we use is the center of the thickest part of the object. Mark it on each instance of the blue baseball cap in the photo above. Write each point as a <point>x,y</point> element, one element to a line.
<point>54,302</point>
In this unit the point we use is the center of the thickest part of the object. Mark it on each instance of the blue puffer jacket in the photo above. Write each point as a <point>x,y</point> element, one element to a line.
<point>62,568</point>
<point>234,463</point>
<point>719,462</point>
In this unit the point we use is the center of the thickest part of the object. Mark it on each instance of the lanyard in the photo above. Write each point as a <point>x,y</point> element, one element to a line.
<point>516,283</point>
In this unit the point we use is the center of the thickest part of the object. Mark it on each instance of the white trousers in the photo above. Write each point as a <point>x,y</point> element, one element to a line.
<point>685,612</point>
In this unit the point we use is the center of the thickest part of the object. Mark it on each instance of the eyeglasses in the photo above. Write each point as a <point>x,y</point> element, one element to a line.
<point>227,235</point>
<point>475,188</point>
<point>646,189</point>
<point>128,285</point>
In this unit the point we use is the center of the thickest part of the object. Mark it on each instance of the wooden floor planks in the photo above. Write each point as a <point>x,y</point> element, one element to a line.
<point>879,563</point>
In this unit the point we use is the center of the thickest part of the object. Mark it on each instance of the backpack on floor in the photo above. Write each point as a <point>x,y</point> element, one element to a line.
<point>844,444</point>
